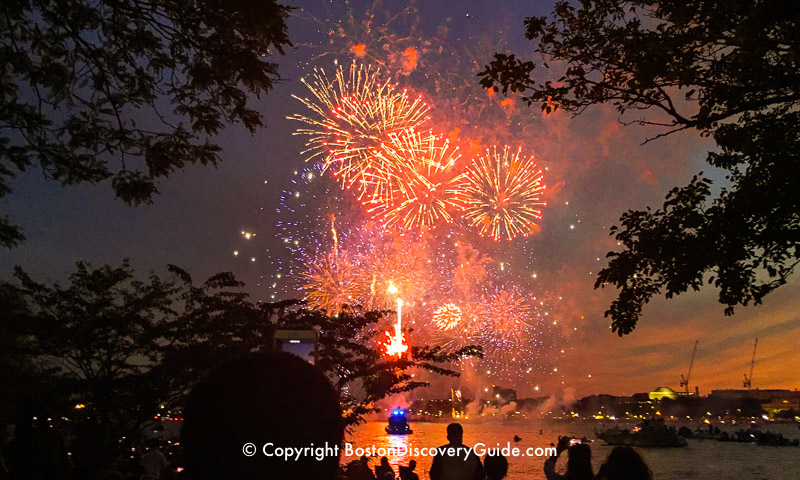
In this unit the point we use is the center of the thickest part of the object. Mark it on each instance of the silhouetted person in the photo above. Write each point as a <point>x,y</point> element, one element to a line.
<point>262,398</point>
<point>495,465</point>
<point>408,473</point>
<point>455,461</point>
<point>37,451</point>
<point>91,450</point>
<point>384,468</point>
<point>153,463</point>
<point>360,470</point>
<point>624,463</point>
<point>579,463</point>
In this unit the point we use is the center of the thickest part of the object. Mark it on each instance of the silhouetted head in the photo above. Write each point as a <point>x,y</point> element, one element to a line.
<point>455,433</point>
<point>384,462</point>
<point>259,399</point>
<point>495,466</point>
<point>412,465</point>
<point>624,463</point>
<point>579,464</point>
<point>364,460</point>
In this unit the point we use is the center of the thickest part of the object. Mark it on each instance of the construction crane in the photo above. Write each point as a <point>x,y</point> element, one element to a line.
<point>685,380</point>
<point>748,381</point>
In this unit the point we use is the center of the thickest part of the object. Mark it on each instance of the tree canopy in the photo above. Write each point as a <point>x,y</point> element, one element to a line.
<point>727,69</point>
<point>121,347</point>
<point>129,90</point>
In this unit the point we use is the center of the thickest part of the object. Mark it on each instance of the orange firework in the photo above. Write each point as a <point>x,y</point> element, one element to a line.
<point>465,325</point>
<point>503,194</point>
<point>447,317</point>
<point>330,282</point>
<point>352,115</point>
<point>397,261</point>
<point>422,188</point>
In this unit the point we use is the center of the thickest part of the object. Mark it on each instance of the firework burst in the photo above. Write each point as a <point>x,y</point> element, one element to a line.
<point>465,324</point>
<point>447,317</point>
<point>398,261</point>
<point>352,115</point>
<point>503,194</point>
<point>511,339</point>
<point>410,197</point>
<point>422,188</point>
<point>330,283</point>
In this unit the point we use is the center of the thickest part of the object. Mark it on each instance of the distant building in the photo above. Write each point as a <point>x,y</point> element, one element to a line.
<point>661,393</point>
<point>771,399</point>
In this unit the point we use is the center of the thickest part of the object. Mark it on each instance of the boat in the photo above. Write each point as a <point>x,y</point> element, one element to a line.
<point>703,434</point>
<point>649,433</point>
<point>700,433</point>
<point>754,435</point>
<point>776,440</point>
<point>750,435</point>
<point>398,423</point>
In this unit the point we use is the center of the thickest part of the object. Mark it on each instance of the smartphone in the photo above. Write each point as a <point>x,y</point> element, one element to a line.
<point>574,441</point>
<point>302,343</point>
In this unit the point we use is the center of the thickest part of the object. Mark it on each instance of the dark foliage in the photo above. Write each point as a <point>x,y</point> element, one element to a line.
<point>122,347</point>
<point>219,326</point>
<point>726,69</point>
<point>94,341</point>
<point>130,90</point>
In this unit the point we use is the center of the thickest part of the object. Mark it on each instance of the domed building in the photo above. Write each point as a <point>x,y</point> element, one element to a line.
<point>663,392</point>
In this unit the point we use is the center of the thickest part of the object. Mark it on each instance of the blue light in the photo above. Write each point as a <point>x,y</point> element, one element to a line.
<point>395,412</point>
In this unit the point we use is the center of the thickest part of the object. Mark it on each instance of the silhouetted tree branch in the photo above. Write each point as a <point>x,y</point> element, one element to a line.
<point>123,346</point>
<point>130,90</point>
<point>726,69</point>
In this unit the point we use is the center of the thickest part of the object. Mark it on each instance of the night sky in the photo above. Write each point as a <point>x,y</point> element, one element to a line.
<point>596,169</point>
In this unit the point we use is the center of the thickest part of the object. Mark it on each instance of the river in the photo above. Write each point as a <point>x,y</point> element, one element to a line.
<point>701,459</point>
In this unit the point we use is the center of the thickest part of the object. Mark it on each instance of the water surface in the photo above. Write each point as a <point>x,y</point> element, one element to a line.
<point>701,459</point>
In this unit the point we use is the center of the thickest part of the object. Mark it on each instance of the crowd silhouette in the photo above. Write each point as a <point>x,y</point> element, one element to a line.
<point>282,399</point>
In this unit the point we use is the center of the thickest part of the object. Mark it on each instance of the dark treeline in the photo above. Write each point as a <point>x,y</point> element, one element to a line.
<point>88,364</point>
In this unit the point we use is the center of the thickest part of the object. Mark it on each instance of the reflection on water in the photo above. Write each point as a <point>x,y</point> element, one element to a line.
<point>399,443</point>
<point>702,459</point>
